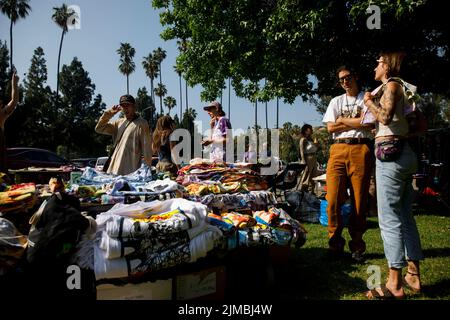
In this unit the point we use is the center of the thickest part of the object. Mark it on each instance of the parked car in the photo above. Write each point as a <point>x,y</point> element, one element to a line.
<point>100,163</point>
<point>19,158</point>
<point>102,160</point>
<point>84,162</point>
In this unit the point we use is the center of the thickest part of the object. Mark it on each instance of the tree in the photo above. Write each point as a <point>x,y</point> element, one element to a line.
<point>170,103</point>
<point>127,66</point>
<point>289,149</point>
<point>60,16</point>
<point>179,72</point>
<point>229,99</point>
<point>160,91</point>
<point>278,111</point>
<point>151,68</point>
<point>14,10</point>
<point>187,123</point>
<point>77,115</point>
<point>287,42</point>
<point>4,65</point>
<point>145,105</point>
<point>33,121</point>
<point>159,55</point>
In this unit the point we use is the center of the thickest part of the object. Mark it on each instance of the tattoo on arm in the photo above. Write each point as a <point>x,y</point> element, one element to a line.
<point>386,111</point>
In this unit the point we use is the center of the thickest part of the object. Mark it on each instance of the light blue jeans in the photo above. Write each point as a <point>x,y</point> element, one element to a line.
<point>394,196</point>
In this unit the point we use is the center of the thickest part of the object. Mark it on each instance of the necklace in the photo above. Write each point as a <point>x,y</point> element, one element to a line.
<point>349,107</point>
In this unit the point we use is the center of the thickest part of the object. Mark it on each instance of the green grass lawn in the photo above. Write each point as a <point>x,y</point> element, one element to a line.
<point>311,275</point>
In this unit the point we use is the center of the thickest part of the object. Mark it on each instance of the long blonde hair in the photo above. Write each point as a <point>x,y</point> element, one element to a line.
<point>164,128</point>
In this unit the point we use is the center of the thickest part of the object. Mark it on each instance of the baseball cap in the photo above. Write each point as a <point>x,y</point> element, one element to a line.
<point>127,98</point>
<point>214,105</point>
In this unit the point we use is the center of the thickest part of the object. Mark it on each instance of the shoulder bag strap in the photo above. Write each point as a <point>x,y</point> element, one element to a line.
<point>120,138</point>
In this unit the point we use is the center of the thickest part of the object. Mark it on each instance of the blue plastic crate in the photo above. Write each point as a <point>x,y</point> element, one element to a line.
<point>346,210</point>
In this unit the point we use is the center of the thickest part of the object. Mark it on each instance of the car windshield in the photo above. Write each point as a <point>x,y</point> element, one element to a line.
<point>101,161</point>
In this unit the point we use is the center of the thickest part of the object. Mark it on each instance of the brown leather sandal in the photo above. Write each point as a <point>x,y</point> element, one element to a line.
<point>387,294</point>
<point>407,285</point>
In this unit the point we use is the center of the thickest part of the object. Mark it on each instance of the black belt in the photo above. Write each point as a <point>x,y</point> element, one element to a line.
<point>353,140</point>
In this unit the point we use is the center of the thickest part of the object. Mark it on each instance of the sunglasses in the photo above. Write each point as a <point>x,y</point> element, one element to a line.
<point>126,104</point>
<point>347,78</point>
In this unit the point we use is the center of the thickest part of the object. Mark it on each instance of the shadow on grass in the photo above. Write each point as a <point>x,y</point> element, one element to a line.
<point>437,290</point>
<point>310,274</point>
<point>436,252</point>
<point>371,224</point>
<point>432,206</point>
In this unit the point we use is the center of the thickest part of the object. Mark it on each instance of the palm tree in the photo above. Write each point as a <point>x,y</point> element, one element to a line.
<point>161,91</point>
<point>127,66</point>
<point>265,103</point>
<point>170,103</point>
<point>278,110</point>
<point>159,55</point>
<point>256,114</point>
<point>61,16</point>
<point>151,68</point>
<point>229,98</point>
<point>187,86</point>
<point>14,10</point>
<point>178,71</point>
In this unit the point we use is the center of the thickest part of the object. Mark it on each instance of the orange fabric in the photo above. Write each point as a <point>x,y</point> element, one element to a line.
<point>349,166</point>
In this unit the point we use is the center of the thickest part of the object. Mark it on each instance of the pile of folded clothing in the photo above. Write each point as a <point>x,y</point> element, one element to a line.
<point>254,200</point>
<point>92,177</point>
<point>272,227</point>
<point>208,173</point>
<point>207,187</point>
<point>224,186</point>
<point>99,187</point>
<point>18,197</point>
<point>150,236</point>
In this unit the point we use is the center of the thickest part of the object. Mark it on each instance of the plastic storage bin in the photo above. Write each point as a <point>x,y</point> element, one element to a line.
<point>346,210</point>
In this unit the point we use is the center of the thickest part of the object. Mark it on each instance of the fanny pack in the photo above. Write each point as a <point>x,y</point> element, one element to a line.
<point>389,150</point>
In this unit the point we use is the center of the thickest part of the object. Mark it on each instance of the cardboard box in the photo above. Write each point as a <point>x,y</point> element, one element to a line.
<point>207,284</point>
<point>159,290</point>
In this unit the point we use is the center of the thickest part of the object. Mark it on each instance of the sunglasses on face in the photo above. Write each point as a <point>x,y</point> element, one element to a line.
<point>347,78</point>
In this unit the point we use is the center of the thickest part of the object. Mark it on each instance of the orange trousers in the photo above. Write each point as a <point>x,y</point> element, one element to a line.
<point>349,166</point>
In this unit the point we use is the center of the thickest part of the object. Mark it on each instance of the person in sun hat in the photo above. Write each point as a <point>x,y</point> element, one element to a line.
<point>131,137</point>
<point>220,126</point>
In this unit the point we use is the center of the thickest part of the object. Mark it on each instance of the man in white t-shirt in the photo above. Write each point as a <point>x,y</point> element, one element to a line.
<point>349,165</point>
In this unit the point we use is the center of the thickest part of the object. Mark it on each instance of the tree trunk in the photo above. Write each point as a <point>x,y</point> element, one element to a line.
<point>152,92</point>
<point>187,105</point>
<point>265,104</point>
<point>267,119</point>
<point>181,97</point>
<point>278,110</point>
<point>256,114</point>
<point>160,82</point>
<point>128,84</point>
<point>11,46</point>
<point>229,99</point>
<point>59,60</point>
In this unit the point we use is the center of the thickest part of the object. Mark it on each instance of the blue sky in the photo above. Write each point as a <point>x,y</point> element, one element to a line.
<point>104,25</point>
